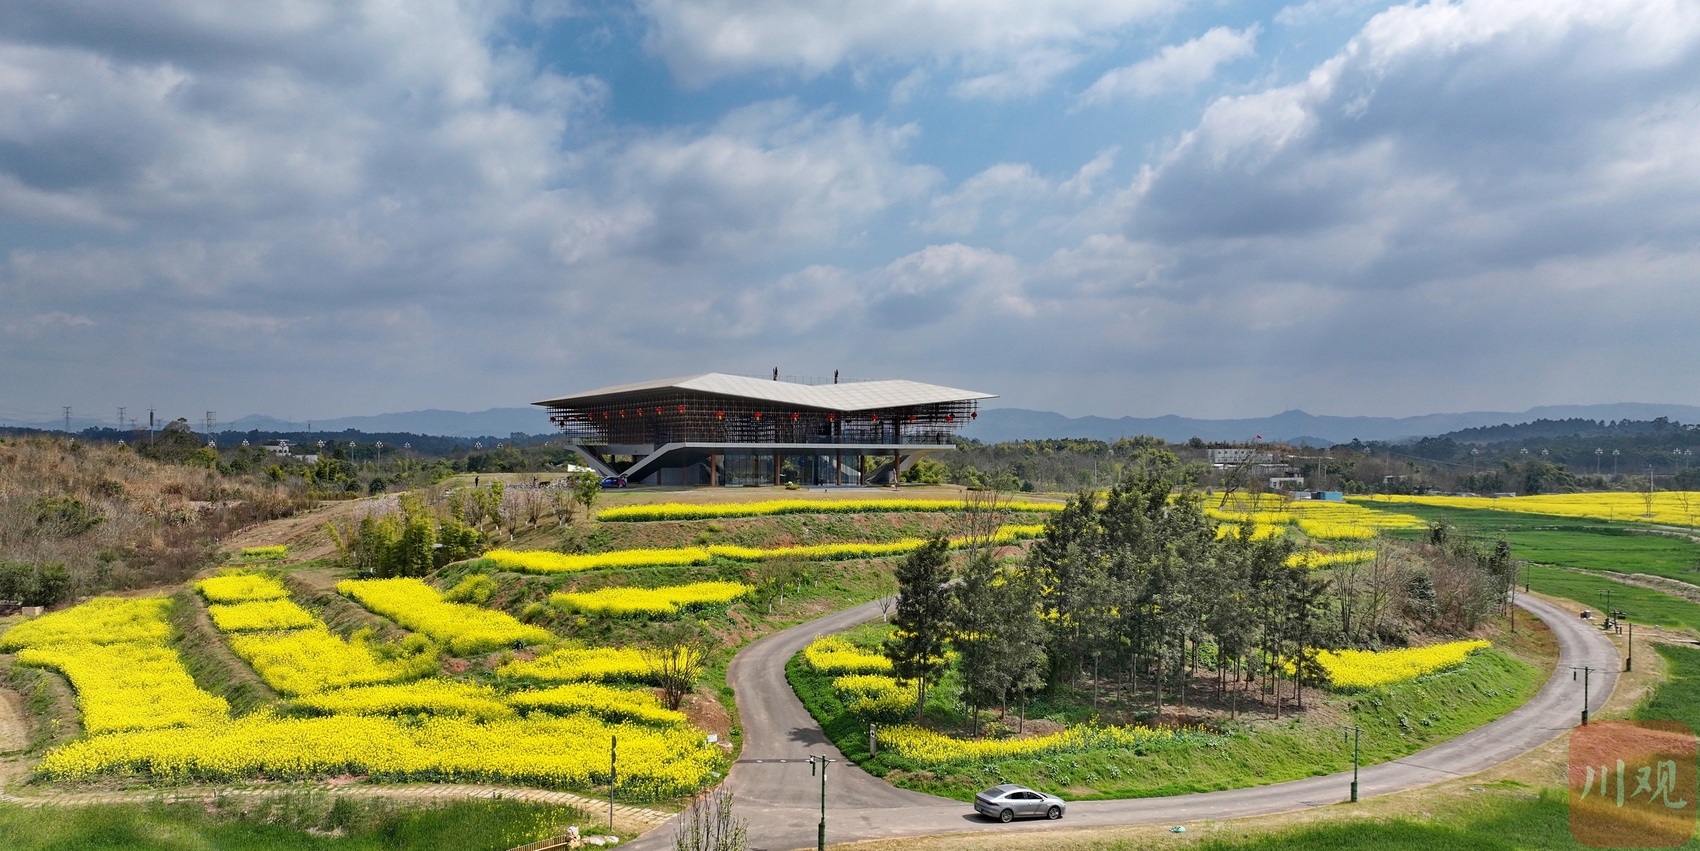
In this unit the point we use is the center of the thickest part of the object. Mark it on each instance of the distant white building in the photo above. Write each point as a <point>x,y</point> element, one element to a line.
<point>1239,455</point>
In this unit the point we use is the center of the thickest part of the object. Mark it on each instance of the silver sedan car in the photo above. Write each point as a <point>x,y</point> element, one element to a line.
<point>1009,802</point>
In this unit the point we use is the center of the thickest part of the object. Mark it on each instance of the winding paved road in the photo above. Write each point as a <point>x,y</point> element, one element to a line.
<point>776,793</point>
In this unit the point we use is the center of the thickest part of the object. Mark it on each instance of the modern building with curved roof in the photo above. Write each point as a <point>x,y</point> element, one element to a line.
<point>719,429</point>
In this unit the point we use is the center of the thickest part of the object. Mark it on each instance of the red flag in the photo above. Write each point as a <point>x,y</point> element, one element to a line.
<point>1260,437</point>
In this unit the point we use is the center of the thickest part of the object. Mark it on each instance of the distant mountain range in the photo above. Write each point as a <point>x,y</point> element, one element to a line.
<point>995,425</point>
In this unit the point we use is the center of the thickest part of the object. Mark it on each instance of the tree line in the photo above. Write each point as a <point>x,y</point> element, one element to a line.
<point>1132,586</point>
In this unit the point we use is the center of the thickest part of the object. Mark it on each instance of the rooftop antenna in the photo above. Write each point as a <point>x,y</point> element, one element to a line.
<point>776,373</point>
<point>835,376</point>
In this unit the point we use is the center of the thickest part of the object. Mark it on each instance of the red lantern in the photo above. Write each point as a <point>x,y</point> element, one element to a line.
<point>973,415</point>
<point>911,417</point>
<point>681,409</point>
<point>658,412</point>
<point>831,418</point>
<point>720,415</point>
<point>758,415</point>
<point>950,418</point>
<point>793,418</point>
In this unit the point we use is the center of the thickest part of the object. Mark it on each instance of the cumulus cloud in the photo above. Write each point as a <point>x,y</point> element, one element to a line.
<point>1029,40</point>
<point>1177,67</point>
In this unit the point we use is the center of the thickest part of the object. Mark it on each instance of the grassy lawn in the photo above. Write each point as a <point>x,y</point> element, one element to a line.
<point>1643,605</point>
<point>1569,542</point>
<point>289,824</point>
<point>1396,720</point>
<point>1678,699</point>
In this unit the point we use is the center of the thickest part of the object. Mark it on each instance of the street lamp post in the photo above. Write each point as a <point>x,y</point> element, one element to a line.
<point>1353,733</point>
<point>823,762</point>
<point>1607,593</point>
<point>1585,672</point>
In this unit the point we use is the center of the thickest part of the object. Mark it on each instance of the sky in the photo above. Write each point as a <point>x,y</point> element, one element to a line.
<point>317,208</point>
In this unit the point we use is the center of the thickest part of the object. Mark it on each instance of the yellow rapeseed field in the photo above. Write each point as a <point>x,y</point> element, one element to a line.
<point>1324,530</point>
<point>567,751</point>
<point>260,615</point>
<point>875,695</point>
<point>688,511</point>
<point>1313,559</point>
<point>433,697</point>
<point>103,620</point>
<point>241,588</point>
<point>574,664</point>
<point>1670,508</point>
<point>614,704</point>
<point>1360,669</point>
<point>130,686</point>
<point>541,561</point>
<point>651,601</point>
<point>831,654</point>
<point>310,660</point>
<point>275,551</point>
<point>935,748</point>
<point>468,630</point>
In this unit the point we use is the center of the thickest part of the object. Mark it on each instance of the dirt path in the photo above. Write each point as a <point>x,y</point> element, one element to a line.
<point>636,819</point>
<point>14,729</point>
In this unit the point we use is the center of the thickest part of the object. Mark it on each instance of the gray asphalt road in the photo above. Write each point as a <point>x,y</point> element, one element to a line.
<point>776,793</point>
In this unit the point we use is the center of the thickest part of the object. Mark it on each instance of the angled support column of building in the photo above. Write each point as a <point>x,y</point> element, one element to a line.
<point>735,430</point>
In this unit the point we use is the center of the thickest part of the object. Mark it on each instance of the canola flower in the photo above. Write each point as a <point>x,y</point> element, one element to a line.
<point>651,601</point>
<point>1261,532</point>
<point>614,704</point>
<point>573,664</point>
<point>832,654</point>
<point>433,697</point>
<point>1323,530</point>
<point>260,615</point>
<point>468,630</point>
<point>1671,508</point>
<point>275,551</point>
<point>130,686</point>
<point>1270,509</point>
<point>875,695</point>
<point>102,620</point>
<point>540,561</point>
<point>310,660</point>
<point>241,588</point>
<point>1350,670</point>
<point>1313,559</point>
<point>929,747</point>
<point>562,752</point>
<point>689,511</point>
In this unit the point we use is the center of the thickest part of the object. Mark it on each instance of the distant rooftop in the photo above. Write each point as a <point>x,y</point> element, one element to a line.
<point>849,396</point>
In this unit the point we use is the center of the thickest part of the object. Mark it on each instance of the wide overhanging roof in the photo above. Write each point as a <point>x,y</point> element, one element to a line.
<point>853,396</point>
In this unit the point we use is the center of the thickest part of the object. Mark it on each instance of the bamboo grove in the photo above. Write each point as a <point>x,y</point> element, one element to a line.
<point>1133,588</point>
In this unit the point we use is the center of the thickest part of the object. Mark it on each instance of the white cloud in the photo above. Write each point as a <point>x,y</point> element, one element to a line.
<point>1177,67</point>
<point>702,40</point>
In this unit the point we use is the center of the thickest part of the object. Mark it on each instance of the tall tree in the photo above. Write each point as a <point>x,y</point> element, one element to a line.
<point>925,612</point>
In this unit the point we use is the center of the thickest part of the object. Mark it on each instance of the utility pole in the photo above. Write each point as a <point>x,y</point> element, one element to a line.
<point>821,759</point>
<point>1607,593</point>
<point>1585,672</point>
<point>1353,733</point>
<point>150,425</point>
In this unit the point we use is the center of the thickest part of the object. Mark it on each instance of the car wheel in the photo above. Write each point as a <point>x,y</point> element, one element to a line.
<point>1054,813</point>
<point>1006,816</point>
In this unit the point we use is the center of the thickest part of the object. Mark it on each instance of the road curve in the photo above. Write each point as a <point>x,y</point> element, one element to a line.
<point>781,801</point>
